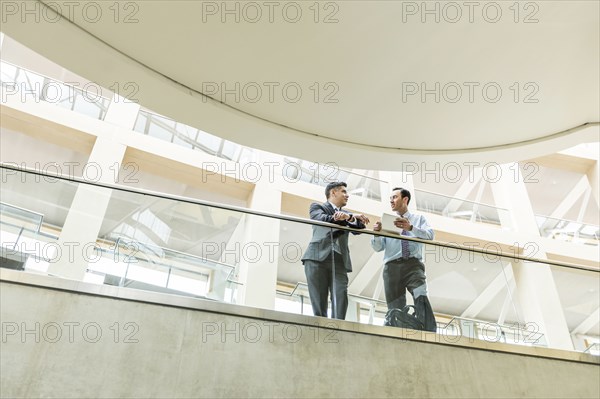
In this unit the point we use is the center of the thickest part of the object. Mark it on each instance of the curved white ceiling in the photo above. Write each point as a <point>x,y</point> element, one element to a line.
<point>494,87</point>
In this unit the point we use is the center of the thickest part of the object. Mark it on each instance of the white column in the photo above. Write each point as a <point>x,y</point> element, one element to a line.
<point>260,250</point>
<point>122,112</point>
<point>219,284</point>
<point>88,209</point>
<point>537,295</point>
<point>593,176</point>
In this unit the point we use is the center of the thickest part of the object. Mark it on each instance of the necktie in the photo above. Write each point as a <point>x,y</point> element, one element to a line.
<point>405,250</point>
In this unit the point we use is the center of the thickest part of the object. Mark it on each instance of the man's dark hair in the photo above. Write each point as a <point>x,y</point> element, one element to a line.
<point>403,193</point>
<point>333,185</point>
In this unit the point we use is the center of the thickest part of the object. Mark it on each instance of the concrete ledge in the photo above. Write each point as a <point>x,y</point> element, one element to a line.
<point>65,338</point>
<point>56,283</point>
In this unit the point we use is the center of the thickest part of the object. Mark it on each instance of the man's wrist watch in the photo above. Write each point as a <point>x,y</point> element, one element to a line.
<point>352,218</point>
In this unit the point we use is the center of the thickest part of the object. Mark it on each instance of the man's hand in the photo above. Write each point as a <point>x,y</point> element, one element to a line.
<point>339,215</point>
<point>403,223</point>
<point>377,226</point>
<point>365,220</point>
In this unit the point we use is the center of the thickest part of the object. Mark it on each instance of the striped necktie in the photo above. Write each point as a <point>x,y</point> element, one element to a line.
<point>405,250</point>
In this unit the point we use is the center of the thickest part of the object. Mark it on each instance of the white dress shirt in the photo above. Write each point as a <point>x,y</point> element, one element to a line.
<point>393,246</point>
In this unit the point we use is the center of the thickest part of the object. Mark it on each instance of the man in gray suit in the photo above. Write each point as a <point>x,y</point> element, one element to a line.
<point>330,247</point>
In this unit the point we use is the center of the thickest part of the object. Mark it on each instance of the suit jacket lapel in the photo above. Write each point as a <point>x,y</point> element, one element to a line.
<point>329,208</point>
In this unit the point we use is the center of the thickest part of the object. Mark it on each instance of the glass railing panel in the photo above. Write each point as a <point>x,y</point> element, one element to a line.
<point>457,208</point>
<point>166,129</point>
<point>284,302</point>
<point>209,142</point>
<point>87,104</point>
<point>43,88</point>
<point>323,174</point>
<point>21,218</point>
<point>366,310</point>
<point>160,131</point>
<point>476,295</point>
<point>580,298</point>
<point>27,249</point>
<point>138,244</point>
<point>459,283</point>
<point>24,232</point>
<point>192,248</point>
<point>593,349</point>
<point>8,72</point>
<point>568,230</point>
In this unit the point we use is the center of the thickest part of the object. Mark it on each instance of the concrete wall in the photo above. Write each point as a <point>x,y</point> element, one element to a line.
<point>57,343</point>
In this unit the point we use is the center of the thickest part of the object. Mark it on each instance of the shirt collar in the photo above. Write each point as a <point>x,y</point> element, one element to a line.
<point>406,215</point>
<point>335,208</point>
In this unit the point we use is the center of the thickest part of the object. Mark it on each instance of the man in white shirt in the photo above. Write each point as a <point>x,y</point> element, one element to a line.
<point>404,268</point>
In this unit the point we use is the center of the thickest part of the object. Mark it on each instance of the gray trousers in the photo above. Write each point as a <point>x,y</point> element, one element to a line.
<point>320,283</point>
<point>400,275</point>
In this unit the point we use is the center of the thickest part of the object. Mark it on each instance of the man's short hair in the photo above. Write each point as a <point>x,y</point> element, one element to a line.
<point>403,193</point>
<point>333,185</point>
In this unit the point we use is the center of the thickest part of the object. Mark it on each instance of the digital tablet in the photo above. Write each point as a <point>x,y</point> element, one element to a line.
<point>387,223</point>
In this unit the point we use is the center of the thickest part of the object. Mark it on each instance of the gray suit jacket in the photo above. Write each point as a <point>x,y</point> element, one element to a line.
<point>319,247</point>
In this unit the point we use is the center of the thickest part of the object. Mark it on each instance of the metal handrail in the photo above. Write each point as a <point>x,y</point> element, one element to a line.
<point>295,219</point>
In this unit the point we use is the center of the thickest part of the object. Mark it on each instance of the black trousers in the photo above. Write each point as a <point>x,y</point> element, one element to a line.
<point>320,283</point>
<point>400,275</point>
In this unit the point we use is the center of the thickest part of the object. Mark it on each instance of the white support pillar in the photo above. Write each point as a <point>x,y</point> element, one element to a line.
<point>593,175</point>
<point>122,112</point>
<point>87,211</point>
<point>378,289</point>
<point>536,290</point>
<point>260,250</point>
<point>464,191</point>
<point>588,323</point>
<point>569,200</point>
<point>371,268</point>
<point>489,293</point>
<point>229,256</point>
